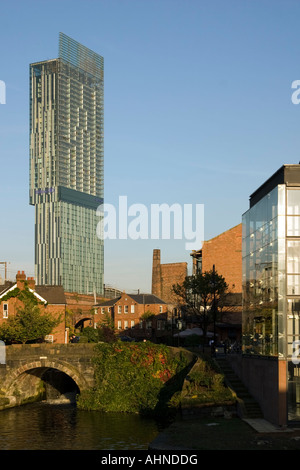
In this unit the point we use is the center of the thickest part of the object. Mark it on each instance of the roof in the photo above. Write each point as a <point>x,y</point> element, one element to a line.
<point>286,174</point>
<point>147,299</point>
<point>52,294</point>
<point>109,303</point>
<point>5,287</point>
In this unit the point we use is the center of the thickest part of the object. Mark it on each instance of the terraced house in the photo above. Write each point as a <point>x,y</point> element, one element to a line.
<point>139,316</point>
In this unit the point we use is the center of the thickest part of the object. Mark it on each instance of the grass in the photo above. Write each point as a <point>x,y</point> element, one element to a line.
<point>224,434</point>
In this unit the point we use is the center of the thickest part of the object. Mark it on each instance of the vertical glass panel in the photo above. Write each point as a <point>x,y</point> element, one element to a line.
<point>293,314</point>
<point>293,284</point>
<point>293,256</point>
<point>293,226</point>
<point>293,202</point>
<point>261,326</point>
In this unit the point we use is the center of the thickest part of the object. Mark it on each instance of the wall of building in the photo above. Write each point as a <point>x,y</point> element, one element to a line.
<point>57,311</point>
<point>225,252</point>
<point>130,317</point>
<point>265,378</point>
<point>164,276</point>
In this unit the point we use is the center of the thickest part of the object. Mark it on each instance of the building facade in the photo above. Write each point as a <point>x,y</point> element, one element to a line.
<point>271,288</point>
<point>140,316</point>
<point>225,253</point>
<point>164,276</point>
<point>50,299</point>
<point>66,167</point>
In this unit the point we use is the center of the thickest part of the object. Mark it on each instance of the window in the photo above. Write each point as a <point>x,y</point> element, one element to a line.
<point>160,324</point>
<point>119,325</point>
<point>102,310</point>
<point>119,308</point>
<point>132,308</point>
<point>5,310</point>
<point>160,309</point>
<point>132,323</point>
<point>125,308</point>
<point>125,325</point>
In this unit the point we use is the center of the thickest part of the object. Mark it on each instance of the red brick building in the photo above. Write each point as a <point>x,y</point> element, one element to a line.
<point>225,253</point>
<point>51,300</point>
<point>140,316</point>
<point>77,311</point>
<point>164,276</point>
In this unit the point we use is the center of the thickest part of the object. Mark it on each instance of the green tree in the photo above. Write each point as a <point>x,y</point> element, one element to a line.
<point>201,295</point>
<point>28,325</point>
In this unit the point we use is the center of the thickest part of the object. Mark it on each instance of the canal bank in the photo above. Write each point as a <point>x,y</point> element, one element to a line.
<point>220,433</point>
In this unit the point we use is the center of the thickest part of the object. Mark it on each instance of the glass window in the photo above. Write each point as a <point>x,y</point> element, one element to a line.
<point>132,308</point>
<point>293,226</point>
<point>293,256</point>
<point>125,308</point>
<point>119,325</point>
<point>293,314</point>
<point>293,202</point>
<point>5,310</point>
<point>293,284</point>
<point>119,308</point>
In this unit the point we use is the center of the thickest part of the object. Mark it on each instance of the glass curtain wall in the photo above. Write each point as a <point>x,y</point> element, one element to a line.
<point>293,301</point>
<point>263,271</point>
<point>271,284</point>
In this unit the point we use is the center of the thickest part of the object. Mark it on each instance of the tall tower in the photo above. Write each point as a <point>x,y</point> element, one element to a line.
<point>66,167</point>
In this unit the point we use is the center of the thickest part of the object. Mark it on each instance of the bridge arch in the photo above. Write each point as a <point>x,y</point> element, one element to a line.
<point>30,380</point>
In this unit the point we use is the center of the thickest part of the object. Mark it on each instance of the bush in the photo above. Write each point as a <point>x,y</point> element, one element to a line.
<point>133,377</point>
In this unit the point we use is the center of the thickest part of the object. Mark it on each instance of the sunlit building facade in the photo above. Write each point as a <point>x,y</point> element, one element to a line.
<point>271,281</point>
<point>66,167</point>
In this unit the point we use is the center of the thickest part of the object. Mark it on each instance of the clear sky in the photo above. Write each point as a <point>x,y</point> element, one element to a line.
<point>198,110</point>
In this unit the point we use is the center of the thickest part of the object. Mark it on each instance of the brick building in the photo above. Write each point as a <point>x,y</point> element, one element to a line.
<point>140,316</point>
<point>225,253</point>
<point>51,299</point>
<point>164,276</point>
<point>76,310</point>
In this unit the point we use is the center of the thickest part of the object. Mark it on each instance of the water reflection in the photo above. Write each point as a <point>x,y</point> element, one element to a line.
<point>41,426</point>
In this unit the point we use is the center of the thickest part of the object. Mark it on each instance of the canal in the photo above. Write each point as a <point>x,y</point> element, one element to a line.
<point>44,426</point>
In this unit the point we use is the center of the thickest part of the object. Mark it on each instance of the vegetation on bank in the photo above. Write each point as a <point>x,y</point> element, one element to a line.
<point>136,378</point>
<point>205,385</point>
<point>151,379</point>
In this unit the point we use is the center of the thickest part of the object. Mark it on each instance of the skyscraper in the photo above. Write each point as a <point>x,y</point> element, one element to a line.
<point>66,167</point>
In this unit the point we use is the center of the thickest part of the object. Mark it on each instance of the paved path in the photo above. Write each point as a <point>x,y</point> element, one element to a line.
<point>261,425</point>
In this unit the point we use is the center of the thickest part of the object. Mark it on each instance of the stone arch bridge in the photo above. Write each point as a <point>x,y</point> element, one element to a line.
<point>52,371</point>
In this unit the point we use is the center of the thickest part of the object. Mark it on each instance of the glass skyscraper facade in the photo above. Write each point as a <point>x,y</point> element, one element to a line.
<point>66,167</point>
<point>271,276</point>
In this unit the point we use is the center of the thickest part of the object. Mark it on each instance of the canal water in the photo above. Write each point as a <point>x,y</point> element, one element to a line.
<point>43,426</point>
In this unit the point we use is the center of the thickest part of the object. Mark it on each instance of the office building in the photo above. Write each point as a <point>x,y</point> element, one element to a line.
<point>66,167</point>
<point>271,295</point>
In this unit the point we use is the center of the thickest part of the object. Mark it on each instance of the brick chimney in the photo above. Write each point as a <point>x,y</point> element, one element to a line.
<point>21,278</point>
<point>31,283</point>
<point>156,274</point>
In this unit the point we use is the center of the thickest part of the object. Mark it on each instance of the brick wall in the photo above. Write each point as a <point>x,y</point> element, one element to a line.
<point>164,276</point>
<point>225,252</point>
<point>127,316</point>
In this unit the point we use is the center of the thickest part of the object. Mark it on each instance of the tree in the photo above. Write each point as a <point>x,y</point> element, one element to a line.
<point>201,295</point>
<point>29,324</point>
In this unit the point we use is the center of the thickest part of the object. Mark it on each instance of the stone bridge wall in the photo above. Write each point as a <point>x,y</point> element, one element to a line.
<point>25,365</point>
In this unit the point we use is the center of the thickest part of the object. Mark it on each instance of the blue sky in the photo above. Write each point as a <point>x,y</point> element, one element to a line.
<point>198,110</point>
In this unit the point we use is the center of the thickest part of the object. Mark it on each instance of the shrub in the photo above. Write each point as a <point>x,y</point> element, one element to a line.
<point>133,377</point>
